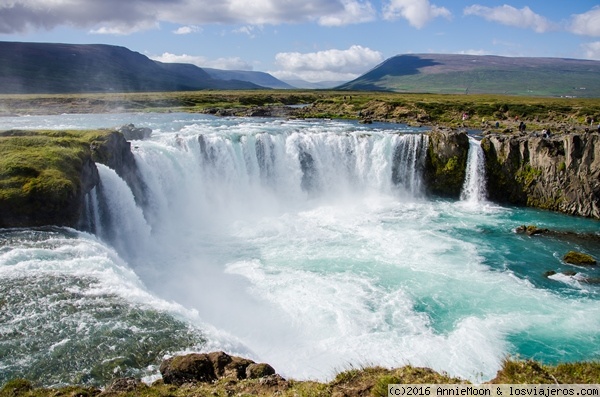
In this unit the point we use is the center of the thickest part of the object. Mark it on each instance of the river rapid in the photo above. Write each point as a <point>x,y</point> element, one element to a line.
<point>307,244</point>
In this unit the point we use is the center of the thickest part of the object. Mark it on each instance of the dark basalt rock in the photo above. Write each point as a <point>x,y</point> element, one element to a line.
<point>446,162</point>
<point>209,367</point>
<point>560,173</point>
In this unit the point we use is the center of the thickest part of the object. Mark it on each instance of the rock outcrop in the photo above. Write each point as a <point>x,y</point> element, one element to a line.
<point>446,162</point>
<point>209,367</point>
<point>133,133</point>
<point>45,175</point>
<point>579,258</point>
<point>114,151</point>
<point>561,173</point>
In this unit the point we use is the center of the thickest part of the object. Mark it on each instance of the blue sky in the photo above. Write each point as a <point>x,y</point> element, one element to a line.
<point>314,40</point>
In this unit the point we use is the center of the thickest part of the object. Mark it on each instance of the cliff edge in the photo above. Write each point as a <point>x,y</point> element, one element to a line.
<point>559,173</point>
<point>44,175</point>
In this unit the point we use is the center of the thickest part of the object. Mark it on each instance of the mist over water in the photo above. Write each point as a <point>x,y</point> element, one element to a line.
<point>310,245</point>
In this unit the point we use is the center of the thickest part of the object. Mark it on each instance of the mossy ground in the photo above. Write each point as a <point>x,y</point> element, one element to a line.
<point>370,381</point>
<point>40,171</point>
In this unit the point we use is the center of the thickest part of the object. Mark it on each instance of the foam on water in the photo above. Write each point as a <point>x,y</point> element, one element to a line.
<point>308,245</point>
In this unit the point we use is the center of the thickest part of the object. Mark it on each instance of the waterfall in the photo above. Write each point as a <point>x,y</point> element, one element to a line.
<point>199,183</point>
<point>227,170</point>
<point>473,190</point>
<point>113,215</point>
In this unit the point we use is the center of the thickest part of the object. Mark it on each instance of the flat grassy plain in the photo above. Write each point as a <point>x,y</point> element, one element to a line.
<point>562,114</point>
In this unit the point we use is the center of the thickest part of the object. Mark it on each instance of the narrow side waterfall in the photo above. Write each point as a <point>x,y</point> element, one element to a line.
<point>474,190</point>
<point>114,216</point>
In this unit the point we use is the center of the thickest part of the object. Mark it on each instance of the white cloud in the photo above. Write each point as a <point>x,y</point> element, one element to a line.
<point>188,29</point>
<point>122,17</point>
<point>234,63</point>
<point>592,50</point>
<point>417,12</point>
<point>587,24</point>
<point>353,12</point>
<point>511,16</point>
<point>327,65</point>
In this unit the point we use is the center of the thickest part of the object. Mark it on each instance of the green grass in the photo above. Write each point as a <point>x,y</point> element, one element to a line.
<point>443,109</point>
<point>40,171</point>
<point>371,381</point>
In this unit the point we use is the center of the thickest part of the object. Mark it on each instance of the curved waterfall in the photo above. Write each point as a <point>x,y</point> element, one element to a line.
<point>305,244</point>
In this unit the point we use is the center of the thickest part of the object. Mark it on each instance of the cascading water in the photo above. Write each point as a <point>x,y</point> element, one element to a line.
<point>304,244</point>
<point>473,190</point>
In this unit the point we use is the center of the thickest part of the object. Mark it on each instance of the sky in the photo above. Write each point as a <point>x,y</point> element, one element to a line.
<point>313,40</point>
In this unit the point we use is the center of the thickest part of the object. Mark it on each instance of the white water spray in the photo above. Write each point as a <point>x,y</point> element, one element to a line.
<point>473,190</point>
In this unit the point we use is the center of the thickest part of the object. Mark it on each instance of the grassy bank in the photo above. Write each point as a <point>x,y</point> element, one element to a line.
<point>354,382</point>
<point>430,109</point>
<point>41,175</point>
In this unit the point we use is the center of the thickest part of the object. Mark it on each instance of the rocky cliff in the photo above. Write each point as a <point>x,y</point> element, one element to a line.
<point>560,173</point>
<point>446,162</point>
<point>45,175</point>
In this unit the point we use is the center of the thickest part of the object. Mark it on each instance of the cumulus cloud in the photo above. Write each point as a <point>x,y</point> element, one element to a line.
<point>511,16</point>
<point>118,16</point>
<point>234,63</point>
<point>587,24</point>
<point>327,65</point>
<point>416,12</point>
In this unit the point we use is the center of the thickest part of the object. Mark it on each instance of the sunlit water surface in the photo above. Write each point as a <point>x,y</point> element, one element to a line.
<point>305,244</point>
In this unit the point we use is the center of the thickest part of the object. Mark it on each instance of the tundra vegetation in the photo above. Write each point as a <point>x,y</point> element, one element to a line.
<point>483,111</point>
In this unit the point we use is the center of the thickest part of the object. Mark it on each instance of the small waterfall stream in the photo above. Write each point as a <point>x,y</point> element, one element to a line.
<point>474,190</point>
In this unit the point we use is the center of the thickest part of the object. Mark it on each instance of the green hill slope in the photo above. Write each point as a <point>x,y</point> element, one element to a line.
<point>439,73</point>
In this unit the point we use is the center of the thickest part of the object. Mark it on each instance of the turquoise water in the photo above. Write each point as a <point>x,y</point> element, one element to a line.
<point>305,244</point>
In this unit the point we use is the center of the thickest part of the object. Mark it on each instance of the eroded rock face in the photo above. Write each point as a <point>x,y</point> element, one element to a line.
<point>561,173</point>
<point>208,367</point>
<point>446,162</point>
<point>115,152</point>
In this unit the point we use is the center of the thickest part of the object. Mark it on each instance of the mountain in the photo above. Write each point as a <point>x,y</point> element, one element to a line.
<point>443,73</point>
<point>320,85</point>
<point>72,68</point>
<point>259,78</point>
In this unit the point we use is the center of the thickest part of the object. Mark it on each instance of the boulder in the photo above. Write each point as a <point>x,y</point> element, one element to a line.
<point>579,259</point>
<point>189,368</point>
<point>256,371</point>
<point>531,230</point>
<point>209,367</point>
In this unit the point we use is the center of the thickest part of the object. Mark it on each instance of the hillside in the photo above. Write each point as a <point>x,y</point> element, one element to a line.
<point>439,73</point>
<point>27,68</point>
<point>259,78</point>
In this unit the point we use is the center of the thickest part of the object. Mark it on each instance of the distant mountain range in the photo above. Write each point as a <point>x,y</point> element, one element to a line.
<point>439,73</point>
<point>77,68</point>
<point>72,68</point>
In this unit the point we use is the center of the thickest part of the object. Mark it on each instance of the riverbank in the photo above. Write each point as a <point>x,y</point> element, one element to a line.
<point>371,381</point>
<point>452,111</point>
